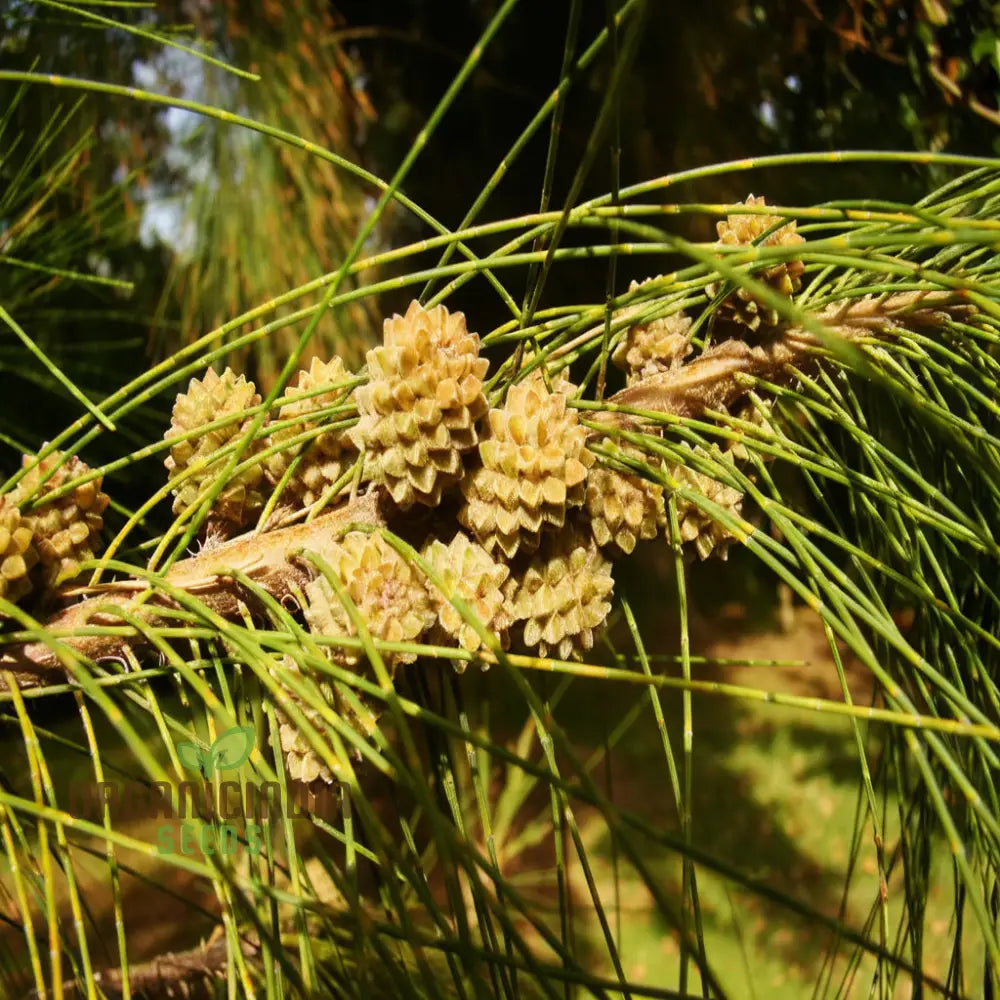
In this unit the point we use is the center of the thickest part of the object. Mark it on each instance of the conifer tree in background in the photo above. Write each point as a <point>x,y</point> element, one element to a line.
<point>416,495</point>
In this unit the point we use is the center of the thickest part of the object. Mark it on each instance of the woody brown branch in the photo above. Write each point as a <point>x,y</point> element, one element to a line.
<point>712,381</point>
<point>194,975</point>
<point>268,558</point>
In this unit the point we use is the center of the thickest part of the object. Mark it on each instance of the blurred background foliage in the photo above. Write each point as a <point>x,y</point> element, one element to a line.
<point>200,219</point>
<point>154,225</point>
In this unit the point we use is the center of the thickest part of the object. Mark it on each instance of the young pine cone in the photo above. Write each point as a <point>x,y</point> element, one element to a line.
<point>328,455</point>
<point>564,594</point>
<point>207,400</point>
<point>65,530</point>
<point>623,507</point>
<point>784,276</point>
<point>534,468</point>
<point>420,407</point>
<point>709,536</point>
<point>301,760</point>
<point>18,553</point>
<point>468,571</point>
<point>649,348</point>
<point>759,417</point>
<point>390,594</point>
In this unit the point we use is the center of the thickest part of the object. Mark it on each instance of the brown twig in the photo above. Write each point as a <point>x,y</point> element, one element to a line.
<point>709,382</point>
<point>194,974</point>
<point>267,557</point>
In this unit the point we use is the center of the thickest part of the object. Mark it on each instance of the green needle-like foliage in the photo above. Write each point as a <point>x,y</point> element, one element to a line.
<point>490,830</point>
<point>253,217</point>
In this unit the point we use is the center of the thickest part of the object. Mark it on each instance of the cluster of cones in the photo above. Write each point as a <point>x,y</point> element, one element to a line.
<point>529,519</point>
<point>49,524</point>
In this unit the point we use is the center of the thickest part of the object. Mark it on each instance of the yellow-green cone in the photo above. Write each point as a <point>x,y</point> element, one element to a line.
<point>328,455</point>
<point>208,399</point>
<point>469,572</point>
<point>785,277</point>
<point>650,348</point>
<point>421,404</point>
<point>390,594</point>
<point>623,507</point>
<point>393,602</point>
<point>534,468</point>
<point>17,552</point>
<point>698,528</point>
<point>760,416</point>
<point>564,595</point>
<point>301,760</point>
<point>67,529</point>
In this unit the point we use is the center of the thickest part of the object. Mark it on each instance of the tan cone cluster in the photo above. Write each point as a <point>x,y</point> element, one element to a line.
<point>759,417</point>
<point>329,454</point>
<point>697,527</point>
<point>420,406</point>
<point>534,469</point>
<point>650,348</point>
<point>392,600</point>
<point>390,594</point>
<point>17,552</point>
<point>301,760</point>
<point>469,572</point>
<point>208,399</point>
<point>744,230</point>
<point>563,595</point>
<point>67,529</point>
<point>623,507</point>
